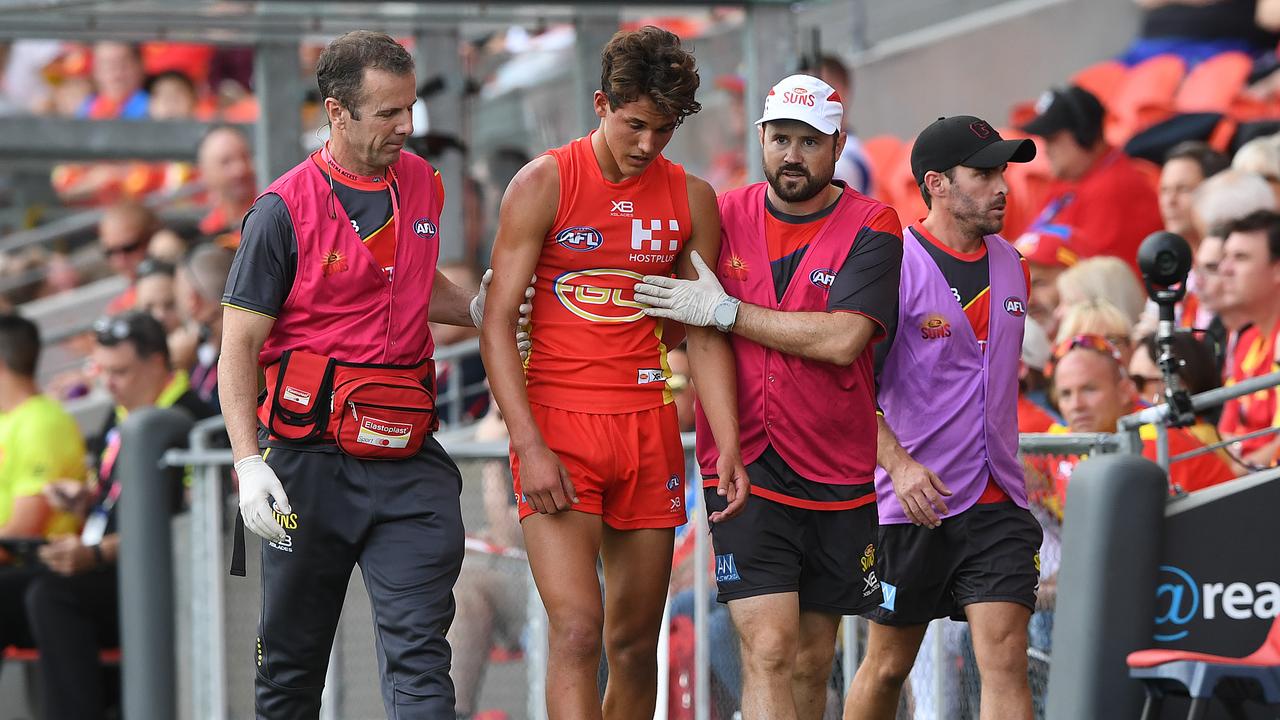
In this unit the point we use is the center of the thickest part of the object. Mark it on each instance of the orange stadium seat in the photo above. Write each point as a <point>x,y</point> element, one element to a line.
<point>905,194</point>
<point>1028,186</point>
<point>1103,79</point>
<point>884,152</point>
<point>1145,98</point>
<point>1213,84</point>
<point>1197,675</point>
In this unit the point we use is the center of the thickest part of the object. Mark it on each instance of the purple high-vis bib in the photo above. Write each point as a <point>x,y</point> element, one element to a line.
<point>953,406</point>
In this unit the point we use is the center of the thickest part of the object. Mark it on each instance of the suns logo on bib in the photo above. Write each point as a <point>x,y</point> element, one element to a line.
<point>600,295</point>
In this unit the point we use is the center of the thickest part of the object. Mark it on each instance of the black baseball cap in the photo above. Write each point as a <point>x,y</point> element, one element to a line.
<point>1071,108</point>
<point>968,141</point>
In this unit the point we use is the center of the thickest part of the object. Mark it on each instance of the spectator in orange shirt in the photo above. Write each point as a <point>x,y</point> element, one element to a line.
<point>124,233</point>
<point>1196,371</point>
<point>1093,392</point>
<point>117,80</point>
<point>1250,271</point>
<point>226,167</point>
<point>1099,194</point>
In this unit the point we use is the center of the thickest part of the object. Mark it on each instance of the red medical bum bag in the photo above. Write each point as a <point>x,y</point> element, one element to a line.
<point>374,412</point>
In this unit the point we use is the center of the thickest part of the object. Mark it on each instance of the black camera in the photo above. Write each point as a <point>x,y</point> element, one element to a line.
<point>1165,260</point>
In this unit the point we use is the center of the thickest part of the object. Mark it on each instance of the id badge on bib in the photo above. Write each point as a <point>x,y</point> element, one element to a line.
<point>95,528</point>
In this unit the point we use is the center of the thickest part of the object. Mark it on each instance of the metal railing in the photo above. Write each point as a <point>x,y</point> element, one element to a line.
<point>208,675</point>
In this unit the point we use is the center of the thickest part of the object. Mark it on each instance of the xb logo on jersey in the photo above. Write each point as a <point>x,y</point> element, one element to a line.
<point>601,295</point>
<point>621,207</point>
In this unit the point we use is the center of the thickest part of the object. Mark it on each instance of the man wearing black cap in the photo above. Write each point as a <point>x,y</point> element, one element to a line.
<point>1101,195</point>
<point>947,386</point>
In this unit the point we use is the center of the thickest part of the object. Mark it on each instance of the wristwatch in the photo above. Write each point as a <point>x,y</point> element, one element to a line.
<point>726,314</point>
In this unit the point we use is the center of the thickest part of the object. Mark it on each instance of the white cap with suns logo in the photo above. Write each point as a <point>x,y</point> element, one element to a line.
<point>807,99</point>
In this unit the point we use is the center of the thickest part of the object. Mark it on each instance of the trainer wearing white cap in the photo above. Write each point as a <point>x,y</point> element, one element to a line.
<point>806,280</point>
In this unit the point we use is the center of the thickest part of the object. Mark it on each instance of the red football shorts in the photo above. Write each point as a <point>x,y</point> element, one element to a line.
<point>626,467</point>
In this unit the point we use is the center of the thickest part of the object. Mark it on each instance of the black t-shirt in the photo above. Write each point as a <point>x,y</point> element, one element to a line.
<point>265,265</point>
<point>969,277</point>
<point>865,283</point>
<point>1222,20</point>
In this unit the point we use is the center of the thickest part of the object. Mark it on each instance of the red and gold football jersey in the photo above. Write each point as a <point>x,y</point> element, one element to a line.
<point>594,349</point>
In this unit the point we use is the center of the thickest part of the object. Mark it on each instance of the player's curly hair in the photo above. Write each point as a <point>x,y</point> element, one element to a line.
<point>650,62</point>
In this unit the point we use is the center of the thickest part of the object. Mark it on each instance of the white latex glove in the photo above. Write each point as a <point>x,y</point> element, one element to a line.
<point>523,341</point>
<point>477,303</point>
<point>258,482</point>
<point>476,308</point>
<point>692,302</point>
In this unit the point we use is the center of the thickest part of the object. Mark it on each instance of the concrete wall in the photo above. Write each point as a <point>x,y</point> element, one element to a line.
<point>918,59</point>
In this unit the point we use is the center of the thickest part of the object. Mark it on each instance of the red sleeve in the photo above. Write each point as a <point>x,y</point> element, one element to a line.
<point>1026,273</point>
<point>440,187</point>
<point>887,221</point>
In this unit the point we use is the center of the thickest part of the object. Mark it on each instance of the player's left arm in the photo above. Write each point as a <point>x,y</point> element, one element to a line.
<point>861,302</point>
<point>711,362</point>
<point>862,299</point>
<point>450,303</point>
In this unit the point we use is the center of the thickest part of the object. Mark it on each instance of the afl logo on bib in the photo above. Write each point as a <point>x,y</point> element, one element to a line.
<point>424,228</point>
<point>822,278</point>
<point>580,239</point>
<point>1014,306</point>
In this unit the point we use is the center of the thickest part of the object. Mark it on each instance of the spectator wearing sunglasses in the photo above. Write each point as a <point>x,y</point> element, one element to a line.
<point>1098,317</point>
<point>124,233</point>
<point>1197,372</point>
<point>1093,392</point>
<point>73,610</point>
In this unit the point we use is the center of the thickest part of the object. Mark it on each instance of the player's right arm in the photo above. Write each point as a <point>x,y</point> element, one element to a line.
<point>527,214</point>
<point>260,279</point>
<point>918,489</point>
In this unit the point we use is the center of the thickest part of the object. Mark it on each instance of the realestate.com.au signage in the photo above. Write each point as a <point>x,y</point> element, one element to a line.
<point>1186,605</point>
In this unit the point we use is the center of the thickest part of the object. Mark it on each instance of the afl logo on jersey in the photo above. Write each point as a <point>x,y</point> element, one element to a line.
<point>601,295</point>
<point>822,278</point>
<point>581,239</point>
<point>424,228</point>
<point>1014,306</point>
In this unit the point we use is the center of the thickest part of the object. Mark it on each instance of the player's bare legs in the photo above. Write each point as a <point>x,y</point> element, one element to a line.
<point>562,554</point>
<point>769,627</point>
<point>1000,644</point>
<point>637,572</point>
<point>891,651</point>
<point>812,670</point>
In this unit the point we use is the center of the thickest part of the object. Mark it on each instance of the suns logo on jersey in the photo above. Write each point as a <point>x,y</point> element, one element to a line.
<point>735,267</point>
<point>580,239</point>
<point>934,327</point>
<point>600,295</point>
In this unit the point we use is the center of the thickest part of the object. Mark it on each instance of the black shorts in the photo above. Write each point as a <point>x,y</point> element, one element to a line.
<point>826,556</point>
<point>988,553</point>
